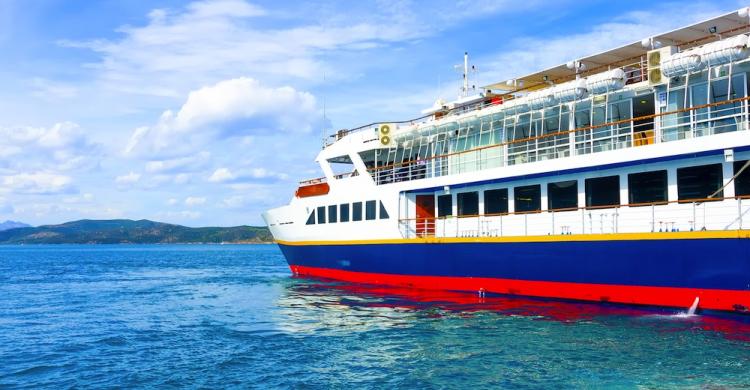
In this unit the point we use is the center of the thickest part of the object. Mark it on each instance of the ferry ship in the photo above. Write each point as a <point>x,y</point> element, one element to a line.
<point>620,177</point>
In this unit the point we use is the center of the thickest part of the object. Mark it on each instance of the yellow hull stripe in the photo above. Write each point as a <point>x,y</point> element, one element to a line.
<point>551,238</point>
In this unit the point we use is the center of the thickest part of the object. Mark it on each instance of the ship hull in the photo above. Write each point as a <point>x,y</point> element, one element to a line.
<point>659,269</point>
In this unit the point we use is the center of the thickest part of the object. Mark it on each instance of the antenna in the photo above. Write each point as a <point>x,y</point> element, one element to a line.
<point>465,76</point>
<point>323,125</point>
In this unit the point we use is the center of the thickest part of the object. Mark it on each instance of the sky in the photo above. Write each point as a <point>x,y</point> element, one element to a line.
<point>207,113</point>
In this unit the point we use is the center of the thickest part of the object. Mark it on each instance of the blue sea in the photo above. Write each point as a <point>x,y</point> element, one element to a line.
<point>232,316</point>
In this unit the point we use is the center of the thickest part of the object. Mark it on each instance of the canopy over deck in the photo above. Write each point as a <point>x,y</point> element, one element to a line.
<point>707,31</point>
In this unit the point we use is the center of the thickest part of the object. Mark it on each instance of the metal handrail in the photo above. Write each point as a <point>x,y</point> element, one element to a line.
<point>561,133</point>
<point>614,206</point>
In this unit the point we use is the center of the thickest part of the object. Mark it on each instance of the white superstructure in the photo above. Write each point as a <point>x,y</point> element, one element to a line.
<point>652,136</point>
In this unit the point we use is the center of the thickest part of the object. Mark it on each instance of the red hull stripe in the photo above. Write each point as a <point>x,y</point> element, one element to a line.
<point>710,299</point>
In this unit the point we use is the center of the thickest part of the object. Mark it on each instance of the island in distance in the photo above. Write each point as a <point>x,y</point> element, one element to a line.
<point>125,231</point>
<point>12,225</point>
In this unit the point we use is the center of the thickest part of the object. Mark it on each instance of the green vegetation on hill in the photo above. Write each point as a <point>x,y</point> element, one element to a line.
<point>125,231</point>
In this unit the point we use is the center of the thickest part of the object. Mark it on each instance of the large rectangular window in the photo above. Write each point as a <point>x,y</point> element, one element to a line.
<point>445,206</point>
<point>528,198</point>
<point>742,182</point>
<point>370,210</point>
<point>647,187</point>
<point>344,212</point>
<point>496,201</point>
<point>322,214</point>
<point>603,191</point>
<point>468,203</point>
<point>357,211</point>
<point>332,213</point>
<point>698,183</point>
<point>562,195</point>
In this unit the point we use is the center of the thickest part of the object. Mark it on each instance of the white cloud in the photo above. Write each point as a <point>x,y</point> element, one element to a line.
<point>222,175</point>
<point>130,178</point>
<point>181,164</point>
<point>230,107</point>
<point>48,89</point>
<point>36,183</point>
<point>192,201</point>
<point>61,147</point>
<point>225,175</point>
<point>172,201</point>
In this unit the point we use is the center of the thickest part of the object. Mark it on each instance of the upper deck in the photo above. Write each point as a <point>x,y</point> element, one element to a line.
<point>684,84</point>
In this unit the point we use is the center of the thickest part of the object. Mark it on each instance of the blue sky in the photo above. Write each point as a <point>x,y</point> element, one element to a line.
<point>208,112</point>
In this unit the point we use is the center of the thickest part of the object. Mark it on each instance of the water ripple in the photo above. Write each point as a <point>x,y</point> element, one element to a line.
<point>232,317</point>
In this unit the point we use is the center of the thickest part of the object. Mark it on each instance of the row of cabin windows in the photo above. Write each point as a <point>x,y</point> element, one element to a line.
<point>644,188</point>
<point>341,213</point>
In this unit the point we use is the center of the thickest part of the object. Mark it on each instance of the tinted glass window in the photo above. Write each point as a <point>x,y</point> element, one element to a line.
<point>562,195</point>
<point>699,182</point>
<point>528,198</point>
<point>445,206</point>
<point>311,219</point>
<point>332,214</point>
<point>742,182</point>
<point>647,187</point>
<point>344,212</point>
<point>322,214</point>
<point>468,203</point>
<point>383,212</point>
<point>496,201</point>
<point>603,191</point>
<point>357,211</point>
<point>370,210</point>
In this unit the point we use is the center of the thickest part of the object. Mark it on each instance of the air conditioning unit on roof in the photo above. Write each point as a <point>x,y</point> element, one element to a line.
<point>654,59</point>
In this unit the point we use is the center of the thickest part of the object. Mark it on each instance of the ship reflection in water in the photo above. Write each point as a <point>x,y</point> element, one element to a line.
<point>320,305</point>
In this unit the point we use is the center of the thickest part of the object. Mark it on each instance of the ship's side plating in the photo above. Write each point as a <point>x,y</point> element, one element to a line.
<point>616,187</point>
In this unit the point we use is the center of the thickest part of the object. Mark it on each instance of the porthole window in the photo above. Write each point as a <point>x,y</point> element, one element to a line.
<point>383,212</point>
<point>468,204</point>
<point>445,205</point>
<point>496,201</point>
<point>311,219</point>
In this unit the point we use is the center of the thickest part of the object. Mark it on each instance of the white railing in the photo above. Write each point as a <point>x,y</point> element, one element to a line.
<point>713,118</point>
<point>713,215</point>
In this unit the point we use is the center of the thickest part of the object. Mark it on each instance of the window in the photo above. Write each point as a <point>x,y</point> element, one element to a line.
<point>311,219</point>
<point>383,213</point>
<point>647,187</point>
<point>445,206</point>
<point>496,201</point>
<point>699,182</point>
<point>357,211</point>
<point>742,182</point>
<point>322,214</point>
<point>528,198</point>
<point>603,191</point>
<point>344,212</point>
<point>332,213</point>
<point>562,195</point>
<point>370,210</point>
<point>468,203</point>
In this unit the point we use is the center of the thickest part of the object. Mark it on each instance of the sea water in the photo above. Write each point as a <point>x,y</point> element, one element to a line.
<point>204,316</point>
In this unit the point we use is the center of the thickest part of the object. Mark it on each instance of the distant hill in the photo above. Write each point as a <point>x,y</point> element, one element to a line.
<point>122,231</point>
<point>12,225</point>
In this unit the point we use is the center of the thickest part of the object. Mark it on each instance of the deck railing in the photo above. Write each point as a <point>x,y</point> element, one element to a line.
<point>686,215</point>
<point>698,121</point>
